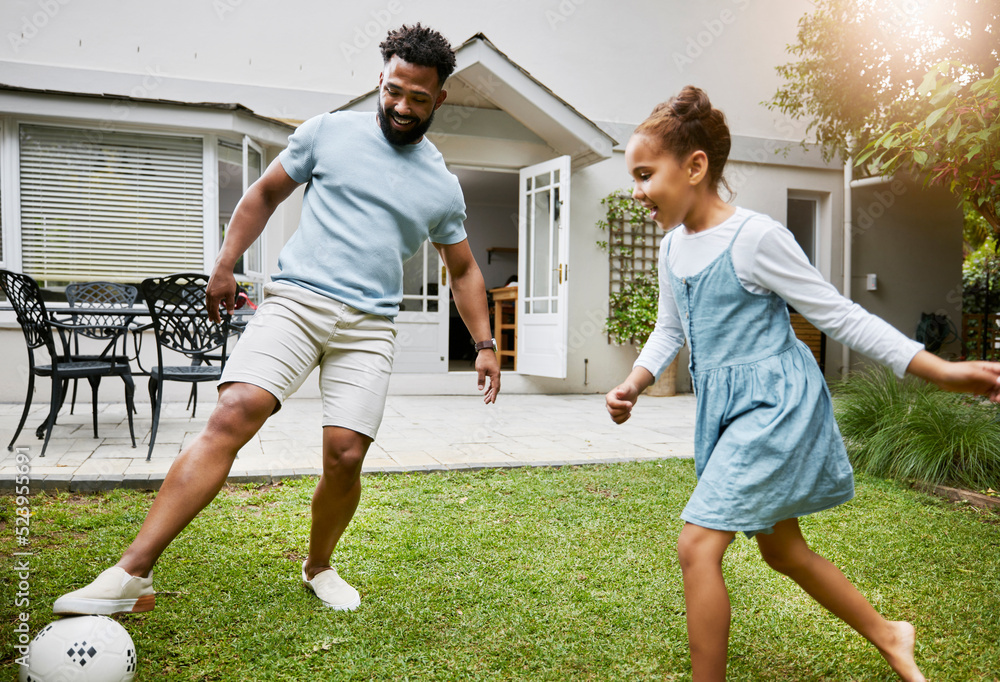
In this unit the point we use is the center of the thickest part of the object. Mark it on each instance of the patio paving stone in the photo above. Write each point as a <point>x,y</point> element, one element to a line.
<point>418,433</point>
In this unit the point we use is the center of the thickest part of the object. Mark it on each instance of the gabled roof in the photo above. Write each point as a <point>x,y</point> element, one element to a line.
<point>486,78</point>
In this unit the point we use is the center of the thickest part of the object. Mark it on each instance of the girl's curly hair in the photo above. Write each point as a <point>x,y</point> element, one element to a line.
<point>420,45</point>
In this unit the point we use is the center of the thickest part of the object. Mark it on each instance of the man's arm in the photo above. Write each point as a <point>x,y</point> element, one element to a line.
<point>470,298</point>
<point>248,221</point>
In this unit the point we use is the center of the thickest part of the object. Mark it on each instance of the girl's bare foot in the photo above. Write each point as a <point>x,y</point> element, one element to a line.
<point>899,651</point>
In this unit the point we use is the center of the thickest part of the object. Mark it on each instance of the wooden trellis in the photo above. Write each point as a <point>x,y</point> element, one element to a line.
<point>972,336</point>
<point>633,244</point>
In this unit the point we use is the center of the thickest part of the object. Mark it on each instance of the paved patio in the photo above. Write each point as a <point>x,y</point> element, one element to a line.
<point>419,433</point>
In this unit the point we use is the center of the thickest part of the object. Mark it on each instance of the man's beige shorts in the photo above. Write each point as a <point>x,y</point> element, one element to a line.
<point>295,330</point>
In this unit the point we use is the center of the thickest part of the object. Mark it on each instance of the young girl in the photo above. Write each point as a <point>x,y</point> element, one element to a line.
<point>767,448</point>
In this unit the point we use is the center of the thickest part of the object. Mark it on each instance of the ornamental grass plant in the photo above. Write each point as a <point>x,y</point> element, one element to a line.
<point>910,430</point>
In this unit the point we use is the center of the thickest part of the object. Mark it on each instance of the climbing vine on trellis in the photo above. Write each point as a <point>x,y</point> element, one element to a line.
<point>633,289</point>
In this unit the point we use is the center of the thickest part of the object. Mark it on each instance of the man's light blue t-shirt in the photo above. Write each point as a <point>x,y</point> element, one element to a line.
<point>368,206</point>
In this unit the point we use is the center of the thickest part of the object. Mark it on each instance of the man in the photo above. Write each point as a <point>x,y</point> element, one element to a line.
<point>376,189</point>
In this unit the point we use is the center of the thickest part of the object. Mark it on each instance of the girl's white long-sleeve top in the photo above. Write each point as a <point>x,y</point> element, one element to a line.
<point>767,258</point>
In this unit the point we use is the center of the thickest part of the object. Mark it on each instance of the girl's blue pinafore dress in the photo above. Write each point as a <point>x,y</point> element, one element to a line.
<point>767,447</point>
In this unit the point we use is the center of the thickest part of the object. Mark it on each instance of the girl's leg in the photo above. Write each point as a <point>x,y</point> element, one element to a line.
<point>786,551</point>
<point>700,551</point>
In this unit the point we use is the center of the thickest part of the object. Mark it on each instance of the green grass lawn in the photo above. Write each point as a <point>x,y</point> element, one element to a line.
<point>529,574</point>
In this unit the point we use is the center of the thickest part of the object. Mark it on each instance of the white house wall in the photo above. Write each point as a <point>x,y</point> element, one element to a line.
<point>910,238</point>
<point>612,62</point>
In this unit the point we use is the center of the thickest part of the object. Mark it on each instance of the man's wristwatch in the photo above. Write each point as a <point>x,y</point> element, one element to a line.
<point>483,345</point>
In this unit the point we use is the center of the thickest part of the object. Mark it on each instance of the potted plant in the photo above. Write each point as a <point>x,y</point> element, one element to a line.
<point>633,302</point>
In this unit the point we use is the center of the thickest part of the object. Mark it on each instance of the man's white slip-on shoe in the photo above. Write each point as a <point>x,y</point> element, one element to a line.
<point>332,590</point>
<point>113,591</point>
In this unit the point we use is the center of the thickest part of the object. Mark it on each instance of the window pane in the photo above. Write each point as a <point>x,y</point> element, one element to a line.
<point>230,170</point>
<point>2,259</point>
<point>802,224</point>
<point>413,275</point>
<point>542,256</point>
<point>433,272</point>
<point>554,290</point>
<point>254,166</point>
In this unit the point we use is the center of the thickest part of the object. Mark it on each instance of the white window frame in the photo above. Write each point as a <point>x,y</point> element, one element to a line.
<point>5,223</point>
<point>11,257</point>
<point>255,276</point>
<point>823,228</point>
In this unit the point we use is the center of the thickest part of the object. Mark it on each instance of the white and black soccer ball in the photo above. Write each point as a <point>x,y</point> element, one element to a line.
<point>80,649</point>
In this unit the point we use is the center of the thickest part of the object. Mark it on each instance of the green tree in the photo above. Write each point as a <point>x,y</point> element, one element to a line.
<point>859,63</point>
<point>956,145</point>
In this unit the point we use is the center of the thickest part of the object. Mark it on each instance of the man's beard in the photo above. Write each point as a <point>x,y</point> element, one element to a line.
<point>401,137</point>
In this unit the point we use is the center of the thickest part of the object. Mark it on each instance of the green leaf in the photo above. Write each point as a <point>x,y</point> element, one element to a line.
<point>928,84</point>
<point>935,117</point>
<point>920,157</point>
<point>955,128</point>
<point>864,156</point>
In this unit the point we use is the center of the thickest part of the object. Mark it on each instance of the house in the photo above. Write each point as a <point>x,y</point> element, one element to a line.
<point>192,100</point>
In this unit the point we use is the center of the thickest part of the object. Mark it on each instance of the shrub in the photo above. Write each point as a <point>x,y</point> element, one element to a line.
<point>912,430</point>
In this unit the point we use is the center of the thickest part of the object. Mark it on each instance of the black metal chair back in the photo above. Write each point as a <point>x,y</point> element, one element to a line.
<point>25,297</point>
<point>103,296</point>
<point>104,326</point>
<point>180,324</point>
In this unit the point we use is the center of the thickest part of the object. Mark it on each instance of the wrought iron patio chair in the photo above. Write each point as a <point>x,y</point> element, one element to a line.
<point>181,325</point>
<point>106,325</point>
<point>236,327</point>
<point>24,295</point>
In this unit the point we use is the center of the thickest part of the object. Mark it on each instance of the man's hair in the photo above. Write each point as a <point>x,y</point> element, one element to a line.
<point>422,46</point>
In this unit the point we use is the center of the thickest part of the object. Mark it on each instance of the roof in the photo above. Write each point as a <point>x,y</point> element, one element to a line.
<point>219,106</point>
<point>526,99</point>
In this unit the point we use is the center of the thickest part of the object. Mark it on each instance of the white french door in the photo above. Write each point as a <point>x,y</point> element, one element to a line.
<point>422,323</point>
<point>543,268</point>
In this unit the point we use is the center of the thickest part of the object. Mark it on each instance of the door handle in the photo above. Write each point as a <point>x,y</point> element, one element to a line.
<point>444,275</point>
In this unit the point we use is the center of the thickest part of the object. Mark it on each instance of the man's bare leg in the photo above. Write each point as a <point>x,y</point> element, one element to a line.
<point>199,472</point>
<point>337,494</point>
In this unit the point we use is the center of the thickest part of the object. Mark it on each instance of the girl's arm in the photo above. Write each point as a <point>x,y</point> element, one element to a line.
<point>981,378</point>
<point>780,265</point>
<point>659,350</point>
<point>621,399</point>
<point>667,337</point>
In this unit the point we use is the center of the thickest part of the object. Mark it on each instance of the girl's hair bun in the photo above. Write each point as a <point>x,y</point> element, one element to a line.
<point>688,122</point>
<point>691,104</point>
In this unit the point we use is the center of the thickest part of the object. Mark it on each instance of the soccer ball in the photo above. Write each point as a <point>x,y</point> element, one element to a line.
<point>80,649</point>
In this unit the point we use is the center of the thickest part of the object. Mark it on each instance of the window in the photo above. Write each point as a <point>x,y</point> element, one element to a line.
<point>803,223</point>
<point>109,205</point>
<point>240,165</point>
